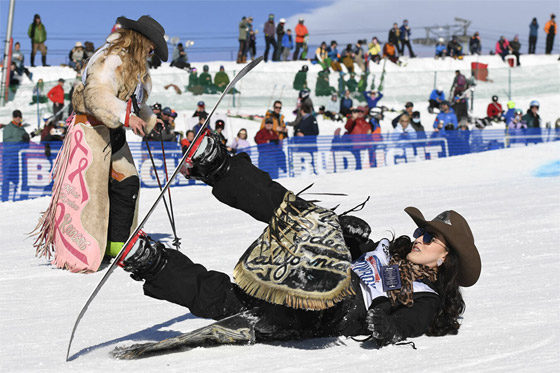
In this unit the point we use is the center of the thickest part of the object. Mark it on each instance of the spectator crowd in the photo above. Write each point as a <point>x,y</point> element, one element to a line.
<point>352,103</point>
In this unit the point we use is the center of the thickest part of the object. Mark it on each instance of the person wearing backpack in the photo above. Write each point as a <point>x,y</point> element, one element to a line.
<point>459,83</point>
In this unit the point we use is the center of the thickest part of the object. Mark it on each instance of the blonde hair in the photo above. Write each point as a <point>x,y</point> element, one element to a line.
<point>133,48</point>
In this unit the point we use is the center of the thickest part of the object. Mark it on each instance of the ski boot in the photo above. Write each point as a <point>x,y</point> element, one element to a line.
<point>143,257</point>
<point>208,160</point>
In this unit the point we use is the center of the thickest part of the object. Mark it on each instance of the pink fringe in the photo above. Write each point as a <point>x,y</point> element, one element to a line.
<point>46,226</point>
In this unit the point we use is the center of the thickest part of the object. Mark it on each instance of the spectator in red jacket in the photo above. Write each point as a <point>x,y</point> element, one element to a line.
<point>56,95</point>
<point>301,33</point>
<point>494,110</point>
<point>356,123</point>
<point>267,134</point>
<point>271,157</point>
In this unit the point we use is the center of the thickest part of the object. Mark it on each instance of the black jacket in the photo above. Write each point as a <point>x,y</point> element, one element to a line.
<point>393,37</point>
<point>308,126</point>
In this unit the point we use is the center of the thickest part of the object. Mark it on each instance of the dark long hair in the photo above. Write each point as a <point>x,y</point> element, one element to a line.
<point>452,305</point>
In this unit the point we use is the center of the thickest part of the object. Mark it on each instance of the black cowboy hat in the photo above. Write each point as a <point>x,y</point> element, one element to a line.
<point>457,234</point>
<point>151,29</point>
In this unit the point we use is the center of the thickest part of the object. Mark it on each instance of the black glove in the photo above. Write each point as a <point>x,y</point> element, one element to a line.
<point>353,226</point>
<point>382,326</point>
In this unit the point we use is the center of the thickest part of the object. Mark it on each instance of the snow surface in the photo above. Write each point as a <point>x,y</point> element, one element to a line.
<point>511,322</point>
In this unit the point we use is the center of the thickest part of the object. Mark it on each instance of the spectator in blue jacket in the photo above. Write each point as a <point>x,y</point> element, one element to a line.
<point>346,104</point>
<point>533,33</point>
<point>372,98</point>
<point>405,39</point>
<point>436,98</point>
<point>287,45</point>
<point>510,113</point>
<point>334,57</point>
<point>441,51</point>
<point>446,119</point>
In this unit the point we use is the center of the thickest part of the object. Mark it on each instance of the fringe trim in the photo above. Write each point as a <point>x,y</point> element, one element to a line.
<point>45,228</point>
<point>314,301</point>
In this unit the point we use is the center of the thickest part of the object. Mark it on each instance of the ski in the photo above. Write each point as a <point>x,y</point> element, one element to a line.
<point>236,329</point>
<point>380,87</point>
<point>200,132</point>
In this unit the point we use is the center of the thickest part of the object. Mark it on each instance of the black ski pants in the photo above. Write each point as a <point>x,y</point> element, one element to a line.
<point>549,42</point>
<point>269,40</point>
<point>211,294</point>
<point>532,44</point>
<point>406,43</point>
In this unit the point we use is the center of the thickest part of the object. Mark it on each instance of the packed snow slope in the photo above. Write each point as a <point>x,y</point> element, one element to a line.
<point>510,198</point>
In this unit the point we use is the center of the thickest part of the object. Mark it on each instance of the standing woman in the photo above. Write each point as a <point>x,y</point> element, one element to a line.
<point>94,204</point>
<point>38,34</point>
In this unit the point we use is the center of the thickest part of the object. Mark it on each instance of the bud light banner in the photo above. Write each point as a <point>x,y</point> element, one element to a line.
<point>26,167</point>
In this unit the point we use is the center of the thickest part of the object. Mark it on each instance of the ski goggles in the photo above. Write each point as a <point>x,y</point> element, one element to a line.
<point>427,237</point>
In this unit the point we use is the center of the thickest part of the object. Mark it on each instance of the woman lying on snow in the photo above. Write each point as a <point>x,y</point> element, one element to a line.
<point>313,273</point>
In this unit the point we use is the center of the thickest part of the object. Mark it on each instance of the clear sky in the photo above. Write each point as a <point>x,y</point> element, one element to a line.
<point>213,24</point>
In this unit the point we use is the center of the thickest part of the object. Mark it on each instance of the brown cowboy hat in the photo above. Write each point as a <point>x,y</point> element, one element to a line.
<point>457,234</point>
<point>151,29</point>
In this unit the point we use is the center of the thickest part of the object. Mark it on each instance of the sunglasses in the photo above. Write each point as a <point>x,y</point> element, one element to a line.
<point>427,237</point>
<point>278,107</point>
<point>151,52</point>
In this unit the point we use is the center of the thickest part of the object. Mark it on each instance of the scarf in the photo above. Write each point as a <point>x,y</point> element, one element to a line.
<point>409,272</point>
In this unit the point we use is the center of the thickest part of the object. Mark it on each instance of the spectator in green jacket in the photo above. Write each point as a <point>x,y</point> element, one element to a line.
<point>322,86</point>
<point>12,133</point>
<point>221,79</point>
<point>300,80</point>
<point>351,83</point>
<point>205,80</point>
<point>194,85</point>
<point>38,35</point>
<point>532,117</point>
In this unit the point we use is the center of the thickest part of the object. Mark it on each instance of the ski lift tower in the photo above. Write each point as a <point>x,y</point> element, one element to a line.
<point>434,33</point>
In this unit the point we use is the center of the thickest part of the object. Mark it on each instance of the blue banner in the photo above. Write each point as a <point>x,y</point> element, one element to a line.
<point>26,168</point>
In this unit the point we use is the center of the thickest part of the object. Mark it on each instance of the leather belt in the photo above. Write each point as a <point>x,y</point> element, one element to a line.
<point>86,118</point>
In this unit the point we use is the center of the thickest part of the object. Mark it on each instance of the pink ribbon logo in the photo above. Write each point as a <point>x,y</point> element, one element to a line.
<point>65,242</point>
<point>78,137</point>
<point>79,171</point>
